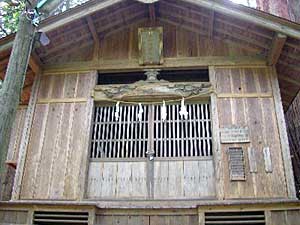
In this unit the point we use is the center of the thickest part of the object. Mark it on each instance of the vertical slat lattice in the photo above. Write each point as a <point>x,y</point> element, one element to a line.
<point>179,137</point>
<point>125,138</point>
<point>129,138</point>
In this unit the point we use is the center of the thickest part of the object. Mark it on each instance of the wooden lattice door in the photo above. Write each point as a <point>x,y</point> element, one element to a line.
<point>151,157</point>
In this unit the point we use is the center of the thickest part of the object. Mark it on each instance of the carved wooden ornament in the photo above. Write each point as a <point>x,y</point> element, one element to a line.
<point>150,46</point>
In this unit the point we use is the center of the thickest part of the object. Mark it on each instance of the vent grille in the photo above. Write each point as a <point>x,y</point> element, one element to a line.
<point>236,218</point>
<point>236,164</point>
<point>52,218</point>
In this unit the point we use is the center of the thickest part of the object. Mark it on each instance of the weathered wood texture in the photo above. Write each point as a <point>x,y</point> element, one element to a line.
<point>178,42</point>
<point>58,141</point>
<point>16,135</point>
<point>147,220</point>
<point>171,180</point>
<point>11,217</point>
<point>290,217</point>
<point>293,128</point>
<point>258,114</point>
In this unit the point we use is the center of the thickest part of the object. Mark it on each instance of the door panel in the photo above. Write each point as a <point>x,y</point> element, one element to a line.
<point>150,158</point>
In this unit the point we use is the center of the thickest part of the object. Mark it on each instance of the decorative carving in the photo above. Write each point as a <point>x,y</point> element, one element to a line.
<point>146,89</point>
<point>152,75</point>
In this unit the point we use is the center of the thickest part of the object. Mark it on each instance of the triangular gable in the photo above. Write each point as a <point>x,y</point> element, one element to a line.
<point>244,13</point>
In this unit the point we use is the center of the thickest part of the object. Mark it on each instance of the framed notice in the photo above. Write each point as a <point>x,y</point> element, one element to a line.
<point>234,135</point>
<point>150,45</point>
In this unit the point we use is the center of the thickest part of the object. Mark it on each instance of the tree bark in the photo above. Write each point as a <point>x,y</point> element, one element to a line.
<point>10,94</point>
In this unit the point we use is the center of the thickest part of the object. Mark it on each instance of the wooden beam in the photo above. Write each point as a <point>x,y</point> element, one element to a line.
<point>211,24</point>
<point>133,65</point>
<point>77,13</point>
<point>95,36</point>
<point>246,15</point>
<point>35,63</point>
<point>276,48</point>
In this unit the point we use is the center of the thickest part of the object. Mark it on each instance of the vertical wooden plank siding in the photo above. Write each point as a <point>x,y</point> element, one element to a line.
<point>259,115</point>
<point>13,217</point>
<point>58,145</point>
<point>16,134</point>
<point>25,139</point>
<point>283,135</point>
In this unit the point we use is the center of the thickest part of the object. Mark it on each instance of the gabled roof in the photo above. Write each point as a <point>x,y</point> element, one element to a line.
<point>245,13</point>
<point>274,38</point>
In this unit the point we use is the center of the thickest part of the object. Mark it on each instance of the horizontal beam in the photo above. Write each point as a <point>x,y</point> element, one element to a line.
<point>61,100</point>
<point>133,65</point>
<point>245,95</point>
<point>247,16</point>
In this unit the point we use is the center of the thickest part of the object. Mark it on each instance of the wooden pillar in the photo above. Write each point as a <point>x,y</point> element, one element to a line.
<point>285,148</point>
<point>89,117</point>
<point>11,91</point>
<point>201,217</point>
<point>217,154</point>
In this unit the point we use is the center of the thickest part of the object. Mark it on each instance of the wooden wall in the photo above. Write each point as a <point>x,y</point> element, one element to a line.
<point>178,42</point>
<point>245,99</point>
<point>58,145</point>
<point>17,217</point>
<point>16,134</point>
<point>147,220</point>
<point>59,137</point>
<point>180,179</point>
<point>292,116</point>
<point>290,217</point>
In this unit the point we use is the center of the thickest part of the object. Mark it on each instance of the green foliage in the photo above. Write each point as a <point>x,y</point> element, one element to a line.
<point>10,12</point>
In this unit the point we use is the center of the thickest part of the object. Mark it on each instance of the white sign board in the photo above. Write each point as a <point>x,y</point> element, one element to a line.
<point>234,135</point>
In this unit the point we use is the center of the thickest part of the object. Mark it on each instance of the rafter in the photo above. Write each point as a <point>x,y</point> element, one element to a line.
<point>276,48</point>
<point>241,14</point>
<point>152,13</point>
<point>35,63</point>
<point>95,36</point>
<point>289,80</point>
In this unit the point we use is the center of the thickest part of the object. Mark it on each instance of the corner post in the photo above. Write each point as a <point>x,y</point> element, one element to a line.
<point>285,148</point>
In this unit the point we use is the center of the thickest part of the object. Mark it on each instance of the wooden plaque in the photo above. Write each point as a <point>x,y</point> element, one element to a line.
<point>150,46</point>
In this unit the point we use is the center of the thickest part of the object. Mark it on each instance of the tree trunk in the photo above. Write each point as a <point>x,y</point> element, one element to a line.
<point>10,94</point>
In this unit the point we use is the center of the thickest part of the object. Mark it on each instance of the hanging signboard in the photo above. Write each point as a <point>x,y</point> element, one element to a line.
<point>150,45</point>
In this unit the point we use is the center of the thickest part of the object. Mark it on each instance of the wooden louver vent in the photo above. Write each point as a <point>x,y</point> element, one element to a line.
<point>55,218</point>
<point>236,164</point>
<point>250,218</point>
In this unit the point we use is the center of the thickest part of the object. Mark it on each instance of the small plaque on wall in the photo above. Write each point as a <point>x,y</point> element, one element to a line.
<point>150,45</point>
<point>234,135</point>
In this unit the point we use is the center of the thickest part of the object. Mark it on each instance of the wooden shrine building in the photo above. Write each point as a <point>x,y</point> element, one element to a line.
<point>164,112</point>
